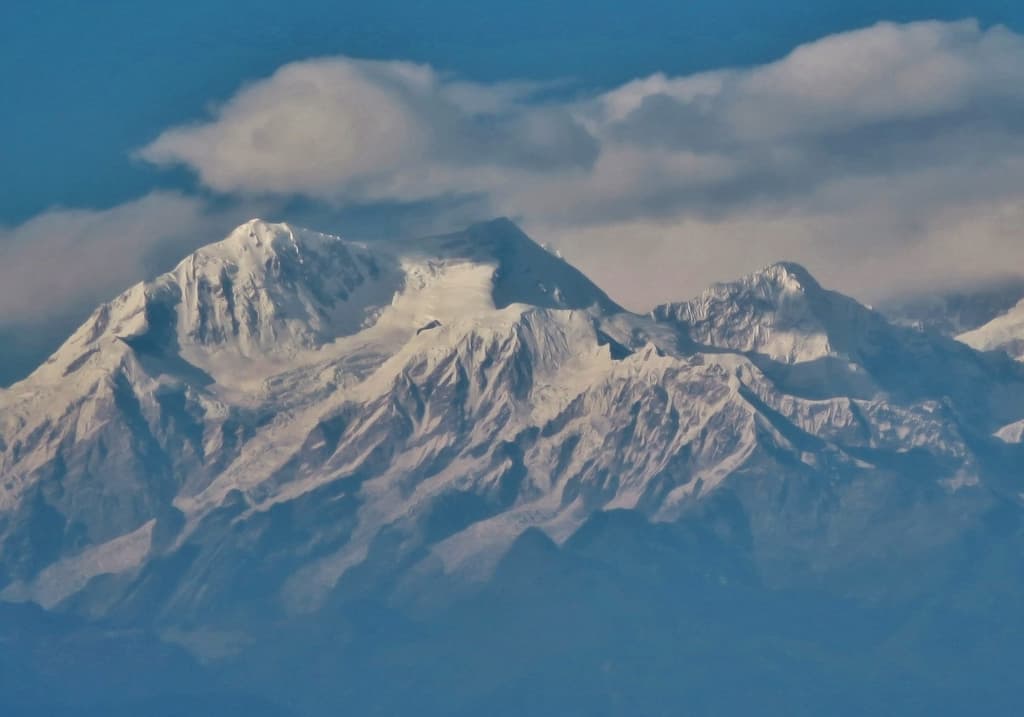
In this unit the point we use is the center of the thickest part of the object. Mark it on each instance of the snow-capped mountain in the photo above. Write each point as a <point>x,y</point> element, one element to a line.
<point>287,414</point>
<point>1003,333</point>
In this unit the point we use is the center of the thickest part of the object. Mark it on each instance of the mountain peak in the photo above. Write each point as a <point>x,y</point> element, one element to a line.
<point>788,275</point>
<point>271,287</point>
<point>780,311</point>
<point>258,239</point>
<point>524,271</point>
<point>255,232</point>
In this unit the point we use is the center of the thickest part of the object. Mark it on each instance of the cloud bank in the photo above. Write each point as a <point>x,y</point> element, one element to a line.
<point>887,159</point>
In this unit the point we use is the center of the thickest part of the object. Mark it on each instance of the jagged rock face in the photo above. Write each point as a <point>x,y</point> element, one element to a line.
<point>286,414</point>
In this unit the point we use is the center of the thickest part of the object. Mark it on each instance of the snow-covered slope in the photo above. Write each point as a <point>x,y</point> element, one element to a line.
<point>1003,333</point>
<point>286,413</point>
<point>818,343</point>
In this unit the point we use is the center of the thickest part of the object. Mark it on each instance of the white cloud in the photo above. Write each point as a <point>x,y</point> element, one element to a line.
<point>646,262</point>
<point>366,130</point>
<point>66,261</point>
<point>885,73</point>
<point>856,154</point>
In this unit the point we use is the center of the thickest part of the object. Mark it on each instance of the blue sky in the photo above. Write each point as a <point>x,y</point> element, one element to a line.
<point>662,145</point>
<point>87,83</point>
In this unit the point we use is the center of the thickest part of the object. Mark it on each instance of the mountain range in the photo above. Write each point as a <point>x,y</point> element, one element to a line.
<point>451,475</point>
